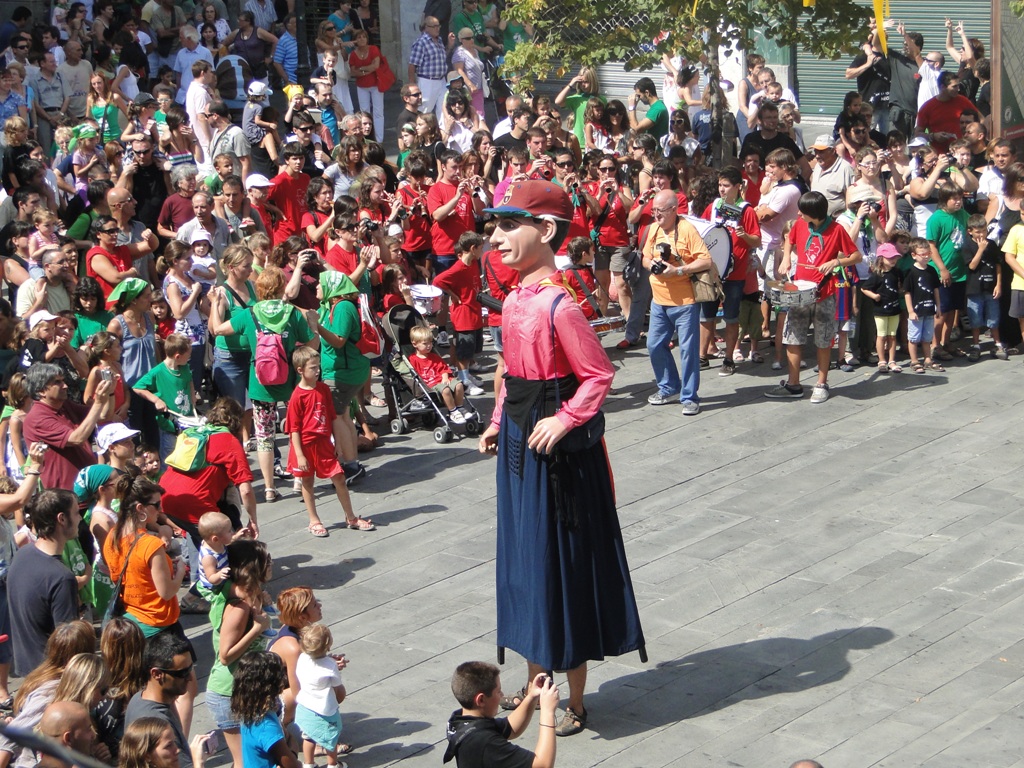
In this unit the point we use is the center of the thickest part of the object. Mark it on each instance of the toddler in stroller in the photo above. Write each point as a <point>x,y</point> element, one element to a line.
<point>439,398</point>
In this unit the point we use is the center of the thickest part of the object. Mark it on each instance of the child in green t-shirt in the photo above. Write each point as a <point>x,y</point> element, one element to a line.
<point>168,386</point>
<point>224,167</point>
<point>947,232</point>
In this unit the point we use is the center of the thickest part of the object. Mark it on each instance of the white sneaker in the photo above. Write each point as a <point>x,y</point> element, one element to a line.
<point>776,366</point>
<point>820,393</point>
<point>474,390</point>
<point>455,417</point>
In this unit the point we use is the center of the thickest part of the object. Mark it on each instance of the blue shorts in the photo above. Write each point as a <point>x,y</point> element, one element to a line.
<point>708,311</point>
<point>220,709</point>
<point>953,297</point>
<point>733,297</point>
<point>922,329</point>
<point>983,311</point>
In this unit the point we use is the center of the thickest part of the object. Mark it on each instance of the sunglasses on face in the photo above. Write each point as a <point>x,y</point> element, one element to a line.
<point>606,170</point>
<point>566,164</point>
<point>181,674</point>
<point>109,231</point>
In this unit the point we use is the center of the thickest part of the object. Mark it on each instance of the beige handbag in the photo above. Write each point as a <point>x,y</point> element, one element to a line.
<point>707,285</point>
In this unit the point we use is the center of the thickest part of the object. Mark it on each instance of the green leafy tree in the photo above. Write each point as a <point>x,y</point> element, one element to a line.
<point>592,32</point>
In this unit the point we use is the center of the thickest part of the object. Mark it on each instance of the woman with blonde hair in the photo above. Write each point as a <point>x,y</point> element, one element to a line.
<point>149,742</point>
<point>102,105</point>
<point>576,95</point>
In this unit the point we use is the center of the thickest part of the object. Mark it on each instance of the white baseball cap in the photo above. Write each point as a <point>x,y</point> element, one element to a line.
<point>113,433</point>
<point>256,88</point>
<point>40,317</point>
<point>257,180</point>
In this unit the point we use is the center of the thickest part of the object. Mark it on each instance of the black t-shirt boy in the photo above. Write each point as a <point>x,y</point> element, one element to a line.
<point>981,279</point>
<point>921,283</point>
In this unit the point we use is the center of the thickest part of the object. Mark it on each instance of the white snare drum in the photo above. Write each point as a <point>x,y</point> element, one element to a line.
<point>798,293</point>
<point>426,299</point>
<point>605,325</point>
<point>718,240</point>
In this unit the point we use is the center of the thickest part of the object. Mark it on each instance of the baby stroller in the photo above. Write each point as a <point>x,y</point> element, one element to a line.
<point>416,403</point>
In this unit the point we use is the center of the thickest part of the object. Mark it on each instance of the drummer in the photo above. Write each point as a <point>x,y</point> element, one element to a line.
<point>673,250</point>
<point>818,246</point>
<point>745,235</point>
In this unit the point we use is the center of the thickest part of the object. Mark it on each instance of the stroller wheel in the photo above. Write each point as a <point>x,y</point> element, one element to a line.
<point>399,426</point>
<point>429,419</point>
<point>443,435</point>
<point>473,427</point>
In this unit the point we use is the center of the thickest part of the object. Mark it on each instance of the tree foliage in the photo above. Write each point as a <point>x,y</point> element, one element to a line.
<point>591,32</point>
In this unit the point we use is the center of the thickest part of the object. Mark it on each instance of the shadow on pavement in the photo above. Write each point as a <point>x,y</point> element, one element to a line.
<point>716,678</point>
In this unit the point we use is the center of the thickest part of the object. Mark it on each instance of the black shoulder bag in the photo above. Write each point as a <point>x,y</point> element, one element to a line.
<point>116,605</point>
<point>486,298</point>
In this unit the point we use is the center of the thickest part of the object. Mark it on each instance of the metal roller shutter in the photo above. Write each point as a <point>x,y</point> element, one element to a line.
<point>820,83</point>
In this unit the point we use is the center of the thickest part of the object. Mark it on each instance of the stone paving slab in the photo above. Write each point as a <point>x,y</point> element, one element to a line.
<point>842,581</point>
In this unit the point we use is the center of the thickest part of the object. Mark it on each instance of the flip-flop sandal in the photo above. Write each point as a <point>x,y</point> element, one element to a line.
<point>271,495</point>
<point>318,530</point>
<point>894,368</point>
<point>378,402</point>
<point>359,524</point>
<point>344,749</point>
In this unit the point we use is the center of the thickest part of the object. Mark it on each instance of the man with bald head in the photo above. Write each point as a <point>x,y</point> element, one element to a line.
<point>122,206</point>
<point>214,226</point>
<point>69,724</point>
<point>49,292</point>
<point>673,251</point>
<point>76,73</point>
<point>806,764</point>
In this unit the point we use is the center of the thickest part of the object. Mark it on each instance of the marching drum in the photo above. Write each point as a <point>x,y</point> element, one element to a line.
<point>718,240</point>
<point>426,299</point>
<point>798,293</point>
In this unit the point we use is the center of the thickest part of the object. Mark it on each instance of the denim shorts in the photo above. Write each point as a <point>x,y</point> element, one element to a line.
<point>922,329</point>
<point>496,338</point>
<point>983,311</point>
<point>708,311</point>
<point>731,303</point>
<point>220,709</point>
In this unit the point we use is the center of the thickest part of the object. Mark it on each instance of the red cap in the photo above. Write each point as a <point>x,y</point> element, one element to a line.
<point>534,199</point>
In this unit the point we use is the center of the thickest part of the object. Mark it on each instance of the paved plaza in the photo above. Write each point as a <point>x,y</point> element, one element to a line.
<point>841,581</point>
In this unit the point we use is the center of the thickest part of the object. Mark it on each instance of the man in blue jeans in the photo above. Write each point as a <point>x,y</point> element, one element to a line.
<point>673,251</point>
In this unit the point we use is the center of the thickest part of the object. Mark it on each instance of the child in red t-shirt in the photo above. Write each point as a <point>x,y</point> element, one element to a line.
<point>580,276</point>
<point>461,283</point>
<point>310,426</point>
<point>437,376</point>
<point>816,247</point>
